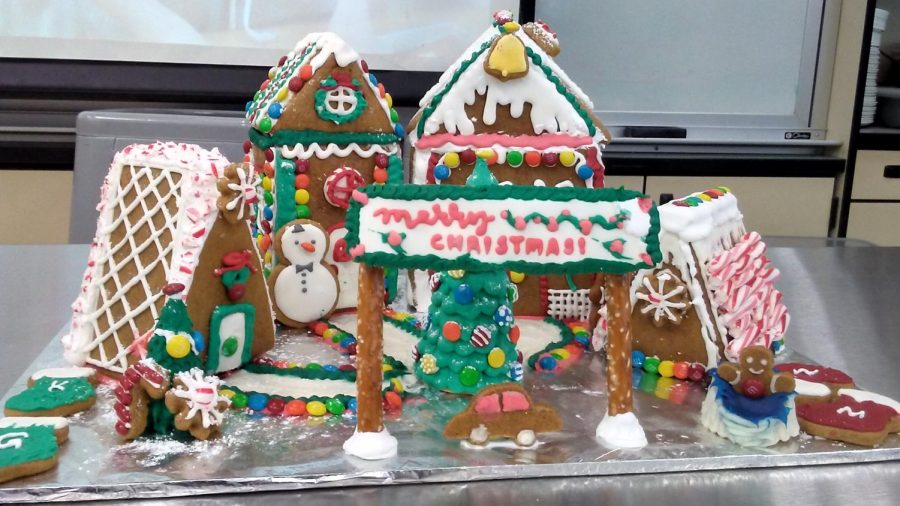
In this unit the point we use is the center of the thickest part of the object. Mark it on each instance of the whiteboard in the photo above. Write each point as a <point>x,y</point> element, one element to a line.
<point>691,62</point>
<point>389,34</point>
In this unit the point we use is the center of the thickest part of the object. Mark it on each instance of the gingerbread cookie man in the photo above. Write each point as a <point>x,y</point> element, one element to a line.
<point>196,403</point>
<point>141,382</point>
<point>754,376</point>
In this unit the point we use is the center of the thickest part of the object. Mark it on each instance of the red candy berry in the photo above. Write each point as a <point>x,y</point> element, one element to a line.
<point>364,65</point>
<point>247,146</point>
<point>302,166</point>
<point>381,160</point>
<point>295,408</point>
<point>696,372</point>
<point>173,288</point>
<point>393,401</point>
<point>550,159</point>
<point>275,406</point>
<point>467,156</point>
<point>294,84</point>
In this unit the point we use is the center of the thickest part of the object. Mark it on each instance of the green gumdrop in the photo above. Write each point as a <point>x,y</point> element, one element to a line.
<point>334,406</point>
<point>239,400</point>
<point>267,196</point>
<point>230,346</point>
<point>651,365</point>
<point>469,376</point>
<point>265,125</point>
<point>514,158</point>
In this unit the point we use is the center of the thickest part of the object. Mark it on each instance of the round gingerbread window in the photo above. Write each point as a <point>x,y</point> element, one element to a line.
<point>340,184</point>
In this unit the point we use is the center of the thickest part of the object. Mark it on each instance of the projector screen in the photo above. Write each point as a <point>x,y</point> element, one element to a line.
<point>390,34</point>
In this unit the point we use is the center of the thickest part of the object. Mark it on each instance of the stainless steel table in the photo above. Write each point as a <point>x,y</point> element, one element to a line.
<point>843,303</point>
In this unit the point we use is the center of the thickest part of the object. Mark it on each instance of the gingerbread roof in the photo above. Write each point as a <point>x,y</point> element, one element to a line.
<point>308,68</point>
<point>531,81</point>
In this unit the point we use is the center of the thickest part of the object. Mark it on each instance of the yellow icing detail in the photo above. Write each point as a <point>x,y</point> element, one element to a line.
<point>562,353</point>
<point>516,277</point>
<point>577,328</point>
<point>508,56</point>
<point>397,385</point>
<point>510,26</point>
<point>451,160</point>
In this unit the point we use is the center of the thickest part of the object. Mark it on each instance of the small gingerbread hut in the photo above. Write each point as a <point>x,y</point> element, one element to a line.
<point>713,294</point>
<point>507,101</point>
<point>322,125</point>
<point>159,226</point>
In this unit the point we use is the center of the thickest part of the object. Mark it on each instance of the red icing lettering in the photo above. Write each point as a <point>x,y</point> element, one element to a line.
<point>454,241</point>
<point>502,246</point>
<point>436,243</point>
<point>533,245</point>
<point>472,244</point>
<point>552,247</point>
<point>582,245</point>
<point>487,243</point>
<point>569,246</point>
<point>452,215</point>
<point>516,241</point>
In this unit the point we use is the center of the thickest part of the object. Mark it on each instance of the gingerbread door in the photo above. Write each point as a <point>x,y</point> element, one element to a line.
<point>230,337</point>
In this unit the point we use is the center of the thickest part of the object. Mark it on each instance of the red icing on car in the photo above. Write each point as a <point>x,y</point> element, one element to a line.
<point>814,373</point>
<point>846,413</point>
<point>514,401</point>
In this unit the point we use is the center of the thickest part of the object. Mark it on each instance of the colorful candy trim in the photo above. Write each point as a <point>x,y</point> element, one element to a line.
<point>404,321</point>
<point>574,340</point>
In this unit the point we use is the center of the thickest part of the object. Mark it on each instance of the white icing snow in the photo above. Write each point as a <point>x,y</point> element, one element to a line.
<point>808,388</point>
<point>621,431</point>
<point>289,386</point>
<point>65,372</point>
<point>769,431</point>
<point>57,422</point>
<point>371,445</point>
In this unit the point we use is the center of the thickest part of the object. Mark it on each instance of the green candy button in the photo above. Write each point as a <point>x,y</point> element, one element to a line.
<point>230,346</point>
<point>469,376</point>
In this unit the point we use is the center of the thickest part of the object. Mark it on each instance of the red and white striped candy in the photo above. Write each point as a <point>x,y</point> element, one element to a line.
<point>481,336</point>
<point>434,281</point>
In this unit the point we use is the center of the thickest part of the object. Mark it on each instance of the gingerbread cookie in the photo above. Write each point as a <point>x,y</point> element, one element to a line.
<point>503,411</point>
<point>60,425</point>
<point>87,373</point>
<point>755,376</point>
<point>196,403</point>
<point>750,404</point>
<point>25,451</point>
<point>50,395</point>
<point>856,416</point>
<point>141,382</point>
<point>303,287</point>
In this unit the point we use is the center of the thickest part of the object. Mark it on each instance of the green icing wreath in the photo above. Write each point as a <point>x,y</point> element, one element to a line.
<point>331,84</point>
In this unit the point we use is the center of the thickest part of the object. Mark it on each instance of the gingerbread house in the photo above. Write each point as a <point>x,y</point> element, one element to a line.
<point>159,225</point>
<point>713,293</point>
<point>322,125</point>
<point>507,101</point>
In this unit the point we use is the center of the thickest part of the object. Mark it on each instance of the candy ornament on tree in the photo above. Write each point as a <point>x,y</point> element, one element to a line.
<point>467,345</point>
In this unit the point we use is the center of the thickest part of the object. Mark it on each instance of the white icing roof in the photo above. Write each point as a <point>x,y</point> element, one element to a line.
<point>550,110</point>
<point>325,44</point>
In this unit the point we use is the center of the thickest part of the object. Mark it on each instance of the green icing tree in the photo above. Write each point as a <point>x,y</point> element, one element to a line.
<point>466,345</point>
<point>173,318</point>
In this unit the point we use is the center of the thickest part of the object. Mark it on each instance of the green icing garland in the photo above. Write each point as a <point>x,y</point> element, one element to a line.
<point>561,88</point>
<point>465,261</point>
<point>23,445</point>
<point>340,119</point>
<point>595,220</point>
<point>566,337</point>
<point>305,137</point>
<point>51,393</point>
<point>285,208</point>
<point>395,170</point>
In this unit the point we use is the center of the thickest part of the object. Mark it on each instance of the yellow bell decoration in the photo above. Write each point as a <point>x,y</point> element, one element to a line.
<point>507,58</point>
<point>178,346</point>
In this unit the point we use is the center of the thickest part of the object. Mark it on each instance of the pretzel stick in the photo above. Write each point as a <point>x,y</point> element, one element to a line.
<point>618,345</point>
<point>369,349</point>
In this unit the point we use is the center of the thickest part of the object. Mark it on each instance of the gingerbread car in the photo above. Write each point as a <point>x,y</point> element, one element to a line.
<point>503,411</point>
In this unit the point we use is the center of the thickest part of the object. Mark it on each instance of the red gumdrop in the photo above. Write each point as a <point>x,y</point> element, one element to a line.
<point>381,160</point>
<point>393,401</point>
<point>467,156</point>
<point>550,159</point>
<point>753,388</point>
<point>121,428</point>
<point>173,288</point>
<point>275,406</point>
<point>696,372</point>
<point>236,292</point>
<point>270,155</point>
<point>302,166</point>
<point>351,350</point>
<point>247,146</point>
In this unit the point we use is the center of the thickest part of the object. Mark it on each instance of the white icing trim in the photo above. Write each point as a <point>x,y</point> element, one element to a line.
<point>329,150</point>
<point>810,389</point>
<point>371,445</point>
<point>64,372</point>
<point>57,422</point>
<point>862,396</point>
<point>846,410</point>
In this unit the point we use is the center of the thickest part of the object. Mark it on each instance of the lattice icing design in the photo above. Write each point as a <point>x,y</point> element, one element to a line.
<point>156,205</point>
<point>568,304</point>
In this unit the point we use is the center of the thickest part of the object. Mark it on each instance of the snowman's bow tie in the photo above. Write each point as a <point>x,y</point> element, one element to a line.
<point>307,267</point>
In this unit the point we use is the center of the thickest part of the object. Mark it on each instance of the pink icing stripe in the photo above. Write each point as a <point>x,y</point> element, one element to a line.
<point>542,141</point>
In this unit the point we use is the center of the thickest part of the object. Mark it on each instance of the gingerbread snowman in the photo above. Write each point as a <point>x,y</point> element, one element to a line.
<point>304,288</point>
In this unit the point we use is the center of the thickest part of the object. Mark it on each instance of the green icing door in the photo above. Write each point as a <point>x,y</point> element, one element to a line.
<point>230,337</point>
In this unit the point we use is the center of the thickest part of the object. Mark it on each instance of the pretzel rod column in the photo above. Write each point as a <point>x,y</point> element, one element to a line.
<point>618,347</point>
<point>619,428</point>
<point>369,349</point>
<point>595,295</point>
<point>371,441</point>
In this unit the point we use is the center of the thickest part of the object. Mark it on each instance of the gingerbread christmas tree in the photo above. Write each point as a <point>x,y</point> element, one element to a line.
<point>471,339</point>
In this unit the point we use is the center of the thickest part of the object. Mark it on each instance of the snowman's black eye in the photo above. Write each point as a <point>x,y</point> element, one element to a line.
<point>313,241</point>
<point>296,242</point>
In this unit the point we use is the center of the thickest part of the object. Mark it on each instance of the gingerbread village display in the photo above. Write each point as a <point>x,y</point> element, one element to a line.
<point>504,216</point>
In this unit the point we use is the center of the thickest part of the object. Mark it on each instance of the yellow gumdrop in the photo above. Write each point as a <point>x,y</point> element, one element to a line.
<point>328,334</point>
<point>179,346</point>
<point>282,94</point>
<point>301,196</point>
<point>666,368</point>
<point>397,385</point>
<point>386,368</point>
<point>268,258</point>
<point>704,196</point>
<point>389,100</point>
<point>578,328</point>
<point>516,277</point>
<point>316,408</point>
<point>496,358</point>
<point>267,183</point>
<point>510,26</point>
<point>567,158</point>
<point>456,273</point>
<point>451,160</point>
<point>485,153</point>
<point>226,393</point>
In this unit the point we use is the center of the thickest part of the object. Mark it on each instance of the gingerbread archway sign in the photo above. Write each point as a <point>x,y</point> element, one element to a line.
<point>486,227</point>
